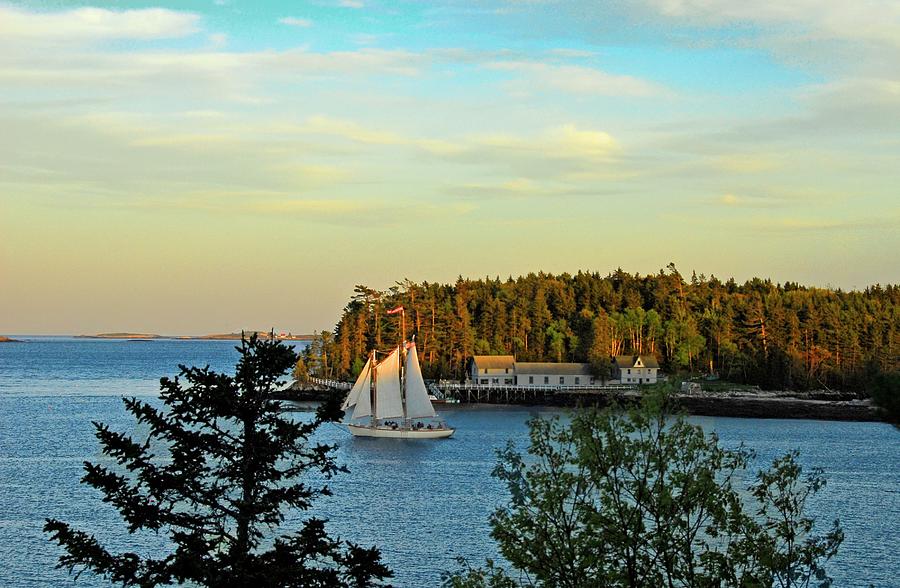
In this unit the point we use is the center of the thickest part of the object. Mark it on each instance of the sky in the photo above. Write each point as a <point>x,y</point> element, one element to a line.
<point>207,166</point>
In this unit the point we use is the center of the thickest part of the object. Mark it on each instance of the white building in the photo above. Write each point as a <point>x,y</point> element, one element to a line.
<point>554,374</point>
<point>498,370</point>
<point>635,369</point>
<point>493,369</point>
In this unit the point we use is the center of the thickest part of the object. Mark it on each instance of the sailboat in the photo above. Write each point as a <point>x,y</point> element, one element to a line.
<point>389,402</point>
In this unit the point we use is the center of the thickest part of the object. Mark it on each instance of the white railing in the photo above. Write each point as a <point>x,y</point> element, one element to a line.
<point>468,386</point>
<point>337,384</point>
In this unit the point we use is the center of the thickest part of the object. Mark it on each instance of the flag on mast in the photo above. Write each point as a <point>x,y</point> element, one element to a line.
<point>395,310</point>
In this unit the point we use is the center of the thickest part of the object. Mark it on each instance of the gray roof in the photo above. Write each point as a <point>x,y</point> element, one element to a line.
<point>628,361</point>
<point>553,369</point>
<point>494,362</point>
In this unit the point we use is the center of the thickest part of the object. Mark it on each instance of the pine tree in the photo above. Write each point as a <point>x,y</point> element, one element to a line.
<point>220,467</point>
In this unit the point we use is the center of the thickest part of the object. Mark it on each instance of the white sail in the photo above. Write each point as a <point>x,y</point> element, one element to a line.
<point>417,403</point>
<point>388,403</point>
<point>364,400</point>
<point>363,382</point>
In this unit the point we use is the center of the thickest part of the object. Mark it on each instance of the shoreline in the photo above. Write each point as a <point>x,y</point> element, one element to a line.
<point>759,406</point>
<point>213,337</point>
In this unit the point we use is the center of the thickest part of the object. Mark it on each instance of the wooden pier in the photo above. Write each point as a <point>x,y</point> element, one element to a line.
<point>533,394</point>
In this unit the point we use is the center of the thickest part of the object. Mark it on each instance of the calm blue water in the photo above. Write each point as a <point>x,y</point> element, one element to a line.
<point>423,503</point>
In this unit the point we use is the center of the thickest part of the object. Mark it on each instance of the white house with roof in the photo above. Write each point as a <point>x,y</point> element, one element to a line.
<point>635,369</point>
<point>493,369</point>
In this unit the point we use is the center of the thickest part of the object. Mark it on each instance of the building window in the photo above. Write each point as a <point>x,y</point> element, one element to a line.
<point>546,379</point>
<point>562,380</point>
<point>577,380</point>
<point>629,370</point>
<point>507,381</point>
<point>484,381</point>
<point>496,380</point>
<point>531,379</point>
<point>507,370</point>
<point>485,370</point>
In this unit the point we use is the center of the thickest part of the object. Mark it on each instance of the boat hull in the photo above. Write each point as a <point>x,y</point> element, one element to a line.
<point>391,433</point>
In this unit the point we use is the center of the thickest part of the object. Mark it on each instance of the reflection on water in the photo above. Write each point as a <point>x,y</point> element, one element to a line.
<point>423,502</point>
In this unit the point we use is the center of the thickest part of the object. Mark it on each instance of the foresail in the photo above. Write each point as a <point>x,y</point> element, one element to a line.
<point>387,387</point>
<point>360,396</point>
<point>417,403</point>
<point>364,401</point>
<point>363,382</point>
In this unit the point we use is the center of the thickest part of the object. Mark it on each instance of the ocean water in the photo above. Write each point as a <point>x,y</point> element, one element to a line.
<point>424,503</point>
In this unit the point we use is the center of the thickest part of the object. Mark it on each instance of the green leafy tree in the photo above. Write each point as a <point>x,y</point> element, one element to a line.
<point>218,470</point>
<point>637,498</point>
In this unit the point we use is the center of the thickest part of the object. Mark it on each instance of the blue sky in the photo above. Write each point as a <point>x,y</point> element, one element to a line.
<point>307,147</point>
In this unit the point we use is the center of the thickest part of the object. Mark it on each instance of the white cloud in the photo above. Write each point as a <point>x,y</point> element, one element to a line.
<point>295,22</point>
<point>874,20</point>
<point>575,79</point>
<point>92,24</point>
<point>218,40</point>
<point>351,4</point>
<point>565,142</point>
<point>351,131</point>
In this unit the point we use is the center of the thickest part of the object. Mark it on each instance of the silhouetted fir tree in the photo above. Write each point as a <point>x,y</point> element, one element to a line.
<point>220,467</point>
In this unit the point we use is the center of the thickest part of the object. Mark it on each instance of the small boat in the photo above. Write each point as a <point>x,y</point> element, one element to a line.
<point>387,401</point>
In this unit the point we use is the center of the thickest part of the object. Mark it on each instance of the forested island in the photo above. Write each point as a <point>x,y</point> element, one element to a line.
<point>213,337</point>
<point>777,336</point>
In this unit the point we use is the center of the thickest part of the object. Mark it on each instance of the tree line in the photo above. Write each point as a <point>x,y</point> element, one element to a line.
<point>777,336</point>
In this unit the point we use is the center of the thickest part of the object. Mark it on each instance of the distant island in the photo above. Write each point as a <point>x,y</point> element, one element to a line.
<point>8,340</point>
<point>217,337</point>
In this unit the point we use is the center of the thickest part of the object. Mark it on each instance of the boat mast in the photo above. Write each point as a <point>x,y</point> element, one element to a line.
<point>373,394</point>
<point>401,356</point>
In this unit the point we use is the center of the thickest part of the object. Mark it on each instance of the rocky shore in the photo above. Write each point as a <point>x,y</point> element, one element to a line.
<point>298,391</point>
<point>779,408</point>
<point>820,405</point>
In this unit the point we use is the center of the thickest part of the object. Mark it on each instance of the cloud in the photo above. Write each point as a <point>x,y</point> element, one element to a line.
<point>352,131</point>
<point>218,40</point>
<point>805,224</point>
<point>566,142</point>
<point>731,200</point>
<point>295,22</point>
<point>575,79</point>
<point>95,24</point>
<point>871,20</point>
<point>746,163</point>
<point>351,4</point>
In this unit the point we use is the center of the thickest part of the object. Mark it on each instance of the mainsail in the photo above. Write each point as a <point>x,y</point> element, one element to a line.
<point>388,402</point>
<point>417,403</point>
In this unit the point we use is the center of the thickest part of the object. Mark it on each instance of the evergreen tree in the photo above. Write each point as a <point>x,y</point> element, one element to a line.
<point>776,336</point>
<point>220,467</point>
<point>885,392</point>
